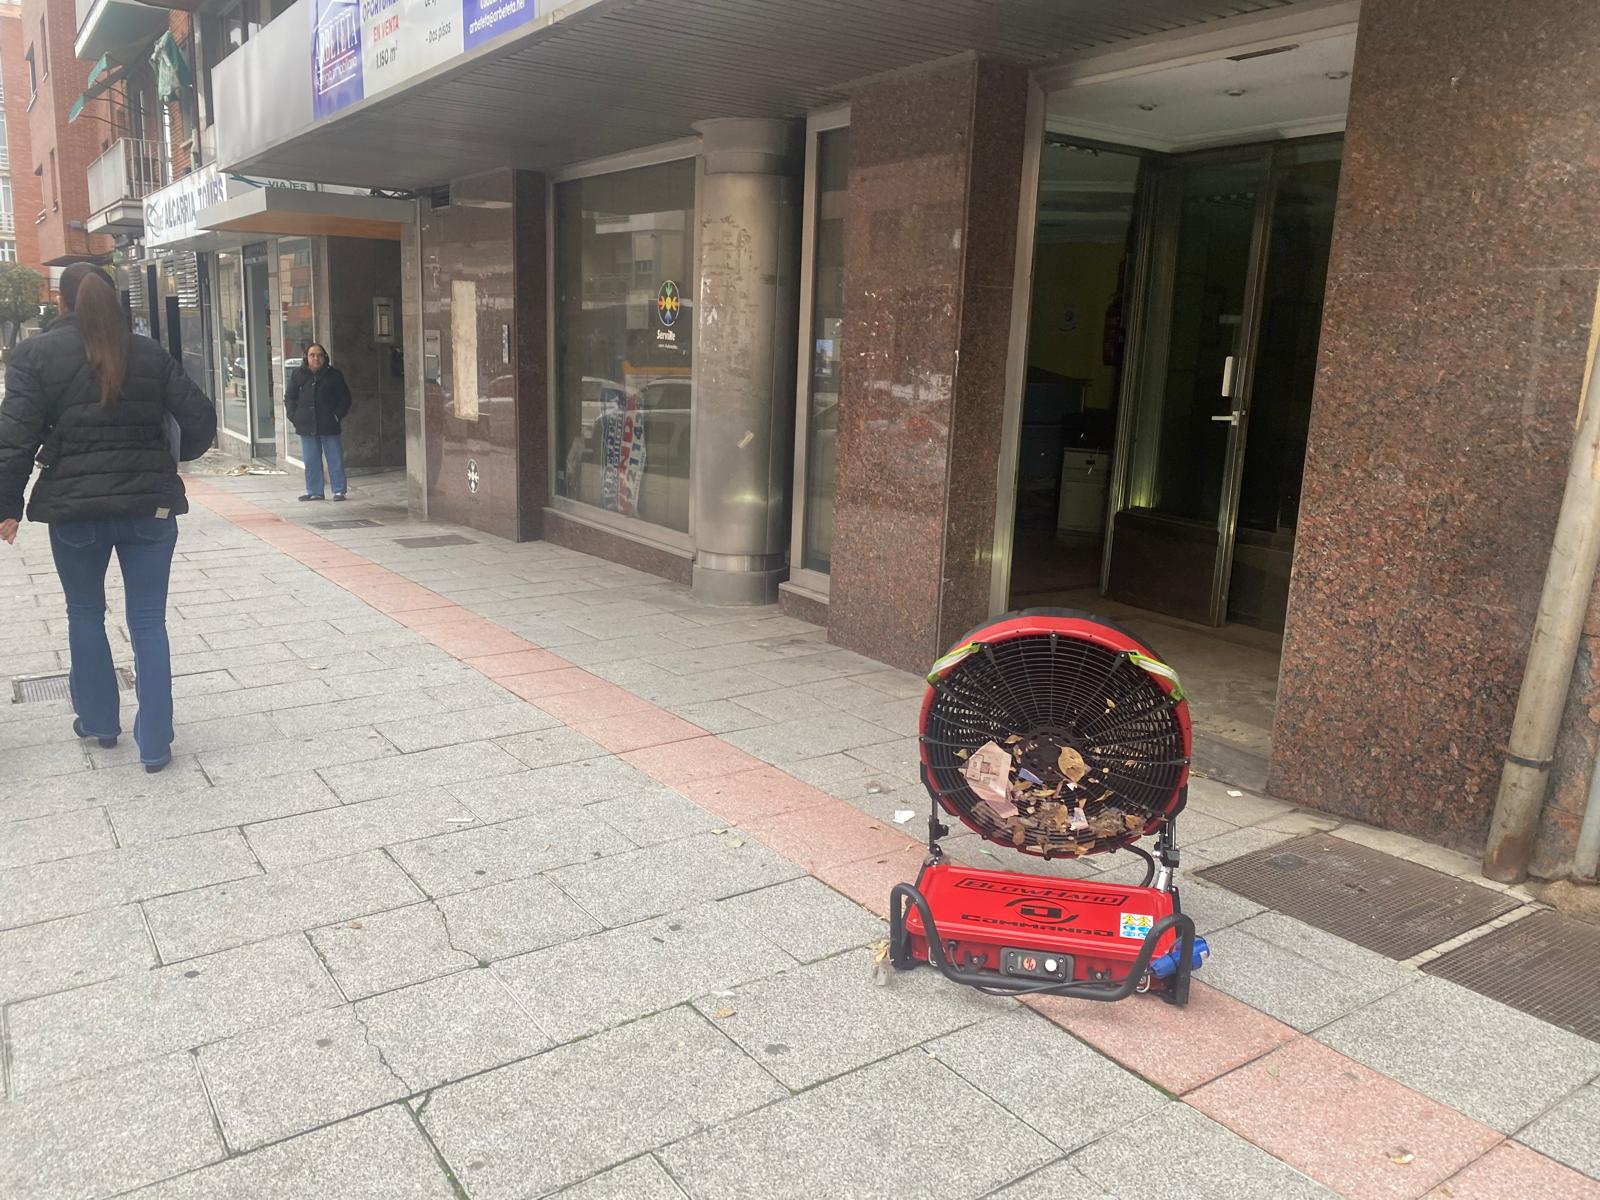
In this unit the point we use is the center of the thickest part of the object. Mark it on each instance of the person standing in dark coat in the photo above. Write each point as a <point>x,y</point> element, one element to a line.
<point>318,400</point>
<point>106,415</point>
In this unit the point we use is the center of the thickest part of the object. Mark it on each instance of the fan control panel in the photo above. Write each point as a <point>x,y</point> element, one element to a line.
<point>1035,964</point>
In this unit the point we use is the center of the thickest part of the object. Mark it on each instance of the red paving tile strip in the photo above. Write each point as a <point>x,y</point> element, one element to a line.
<point>1234,1063</point>
<point>829,834</point>
<point>749,795</point>
<point>636,730</point>
<point>698,758</point>
<point>1511,1171</point>
<point>1176,1048</point>
<point>1344,1124</point>
<point>518,662</point>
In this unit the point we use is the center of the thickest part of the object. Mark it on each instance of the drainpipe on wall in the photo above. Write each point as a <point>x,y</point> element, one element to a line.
<point>1568,581</point>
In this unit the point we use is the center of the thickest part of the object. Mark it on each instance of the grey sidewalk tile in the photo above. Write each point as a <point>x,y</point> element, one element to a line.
<point>1301,989</point>
<point>73,951</point>
<point>297,627</point>
<point>564,785</point>
<point>132,1017</point>
<point>393,680</point>
<point>636,646</point>
<point>1214,908</point>
<point>1495,1064</point>
<point>203,683</point>
<point>473,690</point>
<point>34,730</point>
<point>900,758</point>
<point>1080,1096</point>
<point>308,752</point>
<point>285,667</point>
<point>1058,1181</point>
<point>192,735</point>
<point>827,770</point>
<point>551,747</point>
<point>794,741</point>
<point>249,910</point>
<point>466,725</point>
<point>824,1019</point>
<point>61,835</point>
<point>906,1127</point>
<point>314,1069</point>
<point>642,1178</point>
<point>488,854</point>
<point>1570,1132</point>
<point>679,1076</point>
<point>157,817</point>
<point>387,950</point>
<point>110,877</point>
<point>246,699</point>
<point>448,1028</point>
<point>377,1156</point>
<point>65,757</point>
<point>428,768</point>
<point>806,918</point>
<point>720,716</point>
<point>655,814</point>
<point>585,986</point>
<point>699,688</point>
<point>228,660</point>
<point>363,710</point>
<point>350,828</point>
<point>628,887</point>
<point>1231,845</point>
<point>1178,1154</point>
<point>102,1136</point>
<point>513,918</point>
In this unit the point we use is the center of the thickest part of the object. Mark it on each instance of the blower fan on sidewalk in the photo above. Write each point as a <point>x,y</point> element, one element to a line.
<point>1060,735</point>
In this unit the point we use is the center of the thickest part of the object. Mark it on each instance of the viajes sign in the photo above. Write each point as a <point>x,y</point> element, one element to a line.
<point>362,48</point>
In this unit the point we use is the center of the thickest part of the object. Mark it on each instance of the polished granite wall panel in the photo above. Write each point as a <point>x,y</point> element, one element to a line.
<point>935,164</point>
<point>1461,292</point>
<point>532,350</point>
<point>360,269</point>
<point>471,239</point>
<point>575,534</point>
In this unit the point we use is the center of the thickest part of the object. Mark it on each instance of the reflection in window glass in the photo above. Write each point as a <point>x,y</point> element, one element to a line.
<point>827,315</point>
<point>294,302</point>
<point>624,332</point>
<point>232,367</point>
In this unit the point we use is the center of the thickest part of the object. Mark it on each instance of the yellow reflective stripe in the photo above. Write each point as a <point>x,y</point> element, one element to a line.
<point>1152,667</point>
<point>941,667</point>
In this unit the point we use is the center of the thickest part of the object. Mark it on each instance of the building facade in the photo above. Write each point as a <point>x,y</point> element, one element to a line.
<point>19,187</point>
<point>1268,316</point>
<point>237,298</point>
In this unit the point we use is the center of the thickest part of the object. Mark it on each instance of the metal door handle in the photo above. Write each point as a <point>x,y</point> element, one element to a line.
<point>1227,376</point>
<point>1231,418</point>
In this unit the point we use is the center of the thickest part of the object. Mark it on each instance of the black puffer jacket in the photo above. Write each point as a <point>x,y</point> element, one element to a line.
<point>108,462</point>
<point>317,404</point>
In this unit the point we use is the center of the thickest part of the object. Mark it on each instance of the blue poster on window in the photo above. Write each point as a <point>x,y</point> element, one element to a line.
<point>335,55</point>
<point>485,20</point>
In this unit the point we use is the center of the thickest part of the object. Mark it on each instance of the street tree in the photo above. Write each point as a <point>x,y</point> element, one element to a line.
<point>20,291</point>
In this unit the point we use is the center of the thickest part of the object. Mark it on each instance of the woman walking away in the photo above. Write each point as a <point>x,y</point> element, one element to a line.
<point>318,400</point>
<point>106,415</point>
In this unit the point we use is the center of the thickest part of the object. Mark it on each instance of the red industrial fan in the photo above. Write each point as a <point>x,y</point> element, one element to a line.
<point>1057,734</point>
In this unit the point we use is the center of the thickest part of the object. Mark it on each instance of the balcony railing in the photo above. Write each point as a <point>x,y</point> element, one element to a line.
<point>5,152</point>
<point>125,174</point>
<point>8,222</point>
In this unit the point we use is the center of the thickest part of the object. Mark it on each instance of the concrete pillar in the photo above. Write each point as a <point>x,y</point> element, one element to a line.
<point>744,357</point>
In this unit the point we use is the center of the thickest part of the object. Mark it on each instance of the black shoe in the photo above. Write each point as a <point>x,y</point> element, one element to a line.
<point>106,743</point>
<point>156,768</point>
<point>338,495</point>
<point>310,497</point>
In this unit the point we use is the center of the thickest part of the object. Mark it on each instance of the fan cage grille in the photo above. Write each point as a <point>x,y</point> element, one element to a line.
<point>1049,690</point>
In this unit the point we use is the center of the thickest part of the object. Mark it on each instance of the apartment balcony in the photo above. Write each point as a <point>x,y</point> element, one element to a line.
<point>111,24</point>
<point>119,181</point>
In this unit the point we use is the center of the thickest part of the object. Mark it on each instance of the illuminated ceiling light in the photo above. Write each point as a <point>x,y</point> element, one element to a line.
<point>1235,91</point>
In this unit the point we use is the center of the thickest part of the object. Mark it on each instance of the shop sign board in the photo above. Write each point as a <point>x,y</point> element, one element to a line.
<point>362,48</point>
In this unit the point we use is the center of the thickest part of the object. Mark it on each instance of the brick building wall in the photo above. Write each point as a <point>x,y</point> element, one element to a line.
<point>62,79</point>
<point>25,190</point>
<point>181,26</point>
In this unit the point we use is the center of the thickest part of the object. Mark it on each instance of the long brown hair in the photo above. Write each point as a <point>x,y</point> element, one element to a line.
<point>88,293</point>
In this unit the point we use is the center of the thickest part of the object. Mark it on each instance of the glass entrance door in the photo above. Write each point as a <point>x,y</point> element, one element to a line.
<point>1221,253</point>
<point>258,346</point>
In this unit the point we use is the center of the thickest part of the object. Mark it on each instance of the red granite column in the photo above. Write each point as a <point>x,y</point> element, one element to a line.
<point>935,172</point>
<point>1460,298</point>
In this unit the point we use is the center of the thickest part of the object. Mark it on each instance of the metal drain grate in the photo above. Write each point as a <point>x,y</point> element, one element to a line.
<point>440,539</point>
<point>26,689</point>
<point>354,523</point>
<point>1364,896</point>
<point>1546,965</point>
